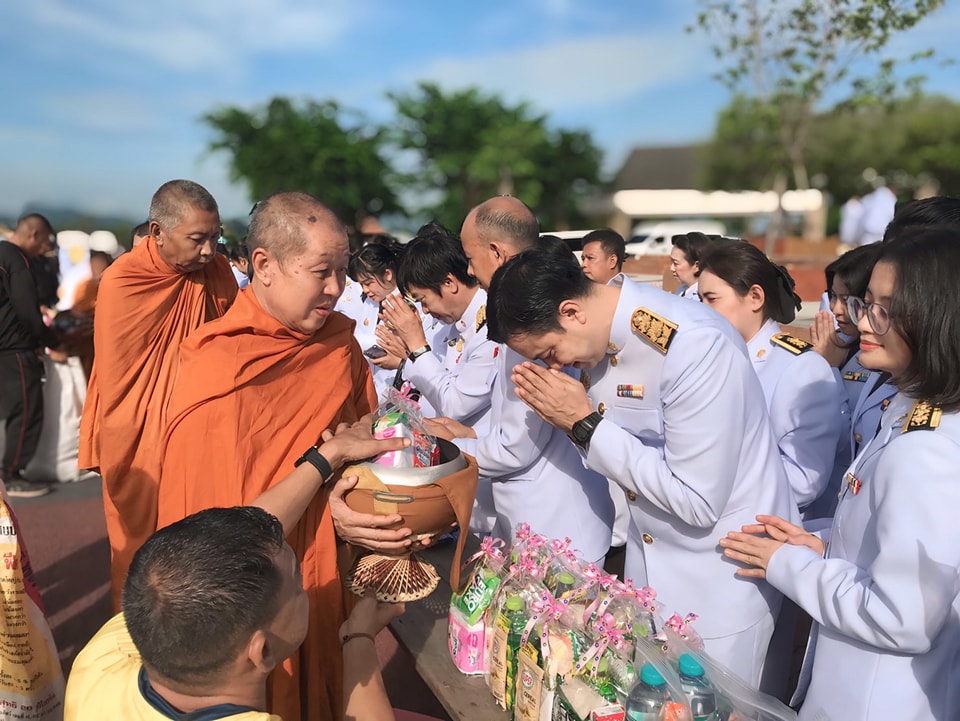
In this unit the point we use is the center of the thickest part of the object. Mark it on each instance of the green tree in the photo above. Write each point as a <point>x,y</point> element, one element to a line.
<point>287,146</point>
<point>465,146</point>
<point>788,54</point>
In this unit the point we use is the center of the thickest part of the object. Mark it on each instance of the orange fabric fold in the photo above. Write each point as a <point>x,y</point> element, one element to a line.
<point>251,397</point>
<point>145,309</point>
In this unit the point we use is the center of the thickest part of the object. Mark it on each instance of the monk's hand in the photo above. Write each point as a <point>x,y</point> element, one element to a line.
<point>553,395</point>
<point>369,530</point>
<point>826,340</point>
<point>57,356</point>
<point>448,429</point>
<point>403,318</point>
<point>355,442</point>
<point>370,615</point>
<point>391,342</point>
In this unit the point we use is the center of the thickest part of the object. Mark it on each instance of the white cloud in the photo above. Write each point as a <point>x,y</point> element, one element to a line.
<point>574,73</point>
<point>212,35</point>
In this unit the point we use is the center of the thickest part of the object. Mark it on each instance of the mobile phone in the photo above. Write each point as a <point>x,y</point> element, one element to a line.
<point>374,352</point>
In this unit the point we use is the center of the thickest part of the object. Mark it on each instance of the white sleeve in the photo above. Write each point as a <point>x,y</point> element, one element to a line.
<point>903,593</point>
<point>461,395</point>
<point>517,435</point>
<point>807,415</point>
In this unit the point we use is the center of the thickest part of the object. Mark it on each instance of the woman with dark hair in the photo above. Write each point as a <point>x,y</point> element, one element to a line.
<point>374,273</point>
<point>882,583</point>
<point>685,261</point>
<point>864,391</point>
<point>803,398</point>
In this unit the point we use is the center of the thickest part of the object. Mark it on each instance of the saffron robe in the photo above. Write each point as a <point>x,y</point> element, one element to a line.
<point>145,309</point>
<point>251,397</point>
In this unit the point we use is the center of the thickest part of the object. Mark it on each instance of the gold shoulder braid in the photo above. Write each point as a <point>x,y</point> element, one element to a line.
<point>654,328</point>
<point>924,416</point>
<point>792,343</point>
<point>481,317</point>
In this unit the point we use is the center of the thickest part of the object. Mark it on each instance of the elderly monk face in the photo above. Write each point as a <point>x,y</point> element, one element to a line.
<point>192,242</point>
<point>304,288</point>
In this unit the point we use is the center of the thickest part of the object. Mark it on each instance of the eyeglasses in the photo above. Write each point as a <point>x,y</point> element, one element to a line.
<point>877,315</point>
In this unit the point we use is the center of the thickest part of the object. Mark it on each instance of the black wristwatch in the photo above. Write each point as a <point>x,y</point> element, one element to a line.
<point>582,430</point>
<point>416,353</point>
<point>315,459</point>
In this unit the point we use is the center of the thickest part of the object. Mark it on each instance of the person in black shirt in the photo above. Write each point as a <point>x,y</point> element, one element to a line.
<point>22,334</point>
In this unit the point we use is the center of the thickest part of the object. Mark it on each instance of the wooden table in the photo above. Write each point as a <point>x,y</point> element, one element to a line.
<point>422,630</point>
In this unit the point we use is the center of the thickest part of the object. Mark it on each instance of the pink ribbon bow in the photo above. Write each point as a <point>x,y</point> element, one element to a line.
<point>599,604</point>
<point>549,609</point>
<point>490,547</point>
<point>679,624</point>
<point>607,635</point>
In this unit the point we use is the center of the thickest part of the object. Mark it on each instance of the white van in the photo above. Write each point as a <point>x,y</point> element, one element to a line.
<point>653,238</point>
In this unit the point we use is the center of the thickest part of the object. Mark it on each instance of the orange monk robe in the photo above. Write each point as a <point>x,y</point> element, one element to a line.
<point>251,397</point>
<point>144,311</point>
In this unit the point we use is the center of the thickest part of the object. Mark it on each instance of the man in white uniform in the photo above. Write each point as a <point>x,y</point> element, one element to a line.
<point>457,378</point>
<point>537,475</point>
<point>674,413</point>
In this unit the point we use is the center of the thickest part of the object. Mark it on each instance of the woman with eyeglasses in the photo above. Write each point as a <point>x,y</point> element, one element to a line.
<point>835,337</point>
<point>882,583</point>
<point>803,397</point>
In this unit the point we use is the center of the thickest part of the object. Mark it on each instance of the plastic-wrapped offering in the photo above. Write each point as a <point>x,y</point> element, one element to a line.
<point>400,417</point>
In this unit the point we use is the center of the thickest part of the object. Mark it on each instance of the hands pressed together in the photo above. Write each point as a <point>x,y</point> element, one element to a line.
<point>826,339</point>
<point>755,544</point>
<point>553,395</point>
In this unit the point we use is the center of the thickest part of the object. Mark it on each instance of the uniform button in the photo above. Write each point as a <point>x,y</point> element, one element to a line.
<point>614,362</point>
<point>601,409</point>
<point>647,538</point>
<point>631,496</point>
<point>858,438</point>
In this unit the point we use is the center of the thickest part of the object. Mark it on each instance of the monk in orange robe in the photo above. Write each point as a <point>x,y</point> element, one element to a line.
<point>148,301</point>
<point>257,389</point>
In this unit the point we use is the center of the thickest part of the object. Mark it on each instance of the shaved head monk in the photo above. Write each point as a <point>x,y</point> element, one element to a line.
<point>256,391</point>
<point>148,301</point>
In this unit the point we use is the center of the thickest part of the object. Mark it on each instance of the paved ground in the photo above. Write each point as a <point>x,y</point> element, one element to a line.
<point>66,537</point>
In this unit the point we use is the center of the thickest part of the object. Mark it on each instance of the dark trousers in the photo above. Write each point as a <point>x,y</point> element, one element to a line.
<point>21,409</point>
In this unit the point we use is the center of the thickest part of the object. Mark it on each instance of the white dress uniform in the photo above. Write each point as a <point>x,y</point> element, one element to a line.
<point>878,210</point>
<point>686,433</point>
<point>875,396</point>
<point>691,292</point>
<point>354,304</point>
<point>805,406</point>
<point>852,378</point>
<point>537,475</point>
<point>886,638</point>
<point>461,385</point>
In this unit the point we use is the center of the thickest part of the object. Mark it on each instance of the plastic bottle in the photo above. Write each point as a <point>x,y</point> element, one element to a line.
<point>702,697</point>
<point>565,583</point>
<point>648,696</point>
<point>514,609</point>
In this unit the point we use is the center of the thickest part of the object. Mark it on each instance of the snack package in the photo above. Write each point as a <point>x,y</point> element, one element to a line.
<point>400,417</point>
<point>466,642</point>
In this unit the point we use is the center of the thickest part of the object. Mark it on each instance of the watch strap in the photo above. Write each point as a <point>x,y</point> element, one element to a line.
<point>316,459</point>
<point>414,354</point>
<point>582,431</point>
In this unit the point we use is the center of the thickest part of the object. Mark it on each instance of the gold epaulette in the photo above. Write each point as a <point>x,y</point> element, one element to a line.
<point>792,343</point>
<point>481,317</point>
<point>924,416</point>
<point>651,327</point>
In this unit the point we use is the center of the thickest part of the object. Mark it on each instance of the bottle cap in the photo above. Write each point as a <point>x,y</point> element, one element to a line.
<point>689,666</point>
<point>650,676</point>
<point>514,603</point>
<point>566,578</point>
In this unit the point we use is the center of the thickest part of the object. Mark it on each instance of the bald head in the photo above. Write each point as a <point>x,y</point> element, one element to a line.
<point>281,222</point>
<point>173,199</point>
<point>33,235</point>
<point>506,220</point>
<point>495,231</point>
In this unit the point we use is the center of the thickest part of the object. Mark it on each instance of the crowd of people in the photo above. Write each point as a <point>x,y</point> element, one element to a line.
<point>751,475</point>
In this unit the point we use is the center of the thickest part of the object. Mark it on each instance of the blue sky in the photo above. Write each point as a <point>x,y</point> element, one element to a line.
<point>101,99</point>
